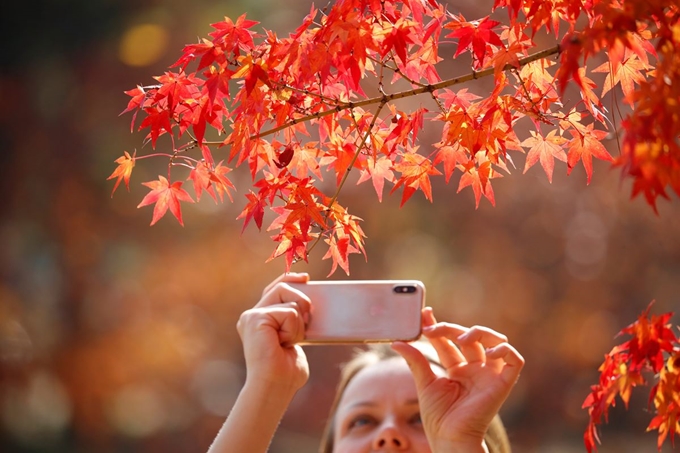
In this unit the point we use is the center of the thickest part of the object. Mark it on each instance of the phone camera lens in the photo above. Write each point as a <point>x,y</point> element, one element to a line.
<point>405,289</point>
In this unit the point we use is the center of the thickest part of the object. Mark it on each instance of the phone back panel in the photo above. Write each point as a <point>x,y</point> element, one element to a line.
<point>363,311</point>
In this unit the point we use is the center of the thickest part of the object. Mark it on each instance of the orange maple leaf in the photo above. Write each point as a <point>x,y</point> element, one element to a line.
<point>378,171</point>
<point>200,175</point>
<point>166,196</point>
<point>666,398</point>
<point>415,172</point>
<point>292,240</point>
<point>507,56</point>
<point>628,73</point>
<point>479,178</point>
<point>123,171</point>
<point>544,149</point>
<point>219,178</point>
<point>451,156</point>
<point>338,251</point>
<point>584,146</point>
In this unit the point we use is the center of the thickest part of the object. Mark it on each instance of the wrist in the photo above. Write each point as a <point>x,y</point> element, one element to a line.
<point>279,389</point>
<point>468,446</point>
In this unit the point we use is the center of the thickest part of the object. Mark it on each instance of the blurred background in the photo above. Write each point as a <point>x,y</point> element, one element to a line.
<point>120,337</point>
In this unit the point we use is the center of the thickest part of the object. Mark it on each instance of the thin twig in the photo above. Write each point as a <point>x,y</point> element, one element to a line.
<point>349,168</point>
<point>615,108</point>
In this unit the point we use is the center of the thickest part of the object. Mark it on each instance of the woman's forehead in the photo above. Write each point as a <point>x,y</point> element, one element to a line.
<point>378,381</point>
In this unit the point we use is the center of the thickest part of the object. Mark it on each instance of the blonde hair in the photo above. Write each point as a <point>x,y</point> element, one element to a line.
<point>496,437</point>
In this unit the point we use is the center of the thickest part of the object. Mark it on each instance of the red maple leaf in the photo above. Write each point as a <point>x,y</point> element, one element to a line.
<point>571,50</point>
<point>166,196</point>
<point>284,157</point>
<point>474,35</point>
<point>136,103</point>
<point>254,210</point>
<point>234,36</point>
<point>207,50</point>
<point>652,336</point>
<point>158,120</point>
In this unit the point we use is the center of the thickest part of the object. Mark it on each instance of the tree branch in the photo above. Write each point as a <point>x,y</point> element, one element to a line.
<point>384,99</point>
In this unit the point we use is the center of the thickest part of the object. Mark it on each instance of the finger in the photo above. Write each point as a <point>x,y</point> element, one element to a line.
<point>445,329</point>
<point>292,331</point>
<point>289,277</point>
<point>514,362</point>
<point>449,355</point>
<point>419,365</point>
<point>487,337</point>
<point>288,323</point>
<point>428,317</point>
<point>470,350</point>
<point>282,293</point>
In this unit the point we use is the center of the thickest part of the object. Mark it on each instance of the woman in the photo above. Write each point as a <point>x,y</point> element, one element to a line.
<point>397,404</point>
<point>345,425</point>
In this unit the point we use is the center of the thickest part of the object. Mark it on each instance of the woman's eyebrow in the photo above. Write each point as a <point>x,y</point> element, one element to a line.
<point>362,404</point>
<point>410,402</point>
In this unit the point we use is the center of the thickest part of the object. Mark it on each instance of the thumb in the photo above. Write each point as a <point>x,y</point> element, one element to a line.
<point>419,365</point>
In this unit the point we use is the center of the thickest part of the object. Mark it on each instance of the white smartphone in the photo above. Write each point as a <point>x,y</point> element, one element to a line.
<point>368,311</point>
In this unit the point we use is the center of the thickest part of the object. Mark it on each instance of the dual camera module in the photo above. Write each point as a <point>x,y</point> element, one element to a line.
<point>404,289</point>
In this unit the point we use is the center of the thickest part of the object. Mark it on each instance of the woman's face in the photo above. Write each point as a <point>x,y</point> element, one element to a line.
<point>379,412</point>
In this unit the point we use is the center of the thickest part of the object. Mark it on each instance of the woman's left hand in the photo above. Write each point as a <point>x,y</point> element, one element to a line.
<point>458,404</point>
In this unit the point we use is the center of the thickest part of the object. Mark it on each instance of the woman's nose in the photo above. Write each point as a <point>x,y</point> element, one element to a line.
<point>390,437</point>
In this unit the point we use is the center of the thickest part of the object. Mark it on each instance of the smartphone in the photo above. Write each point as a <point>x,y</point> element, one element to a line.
<point>367,311</point>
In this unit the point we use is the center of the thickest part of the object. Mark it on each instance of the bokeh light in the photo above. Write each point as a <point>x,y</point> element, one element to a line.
<point>143,45</point>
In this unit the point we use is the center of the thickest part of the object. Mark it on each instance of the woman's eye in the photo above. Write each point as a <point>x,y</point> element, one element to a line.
<point>361,420</point>
<point>416,419</point>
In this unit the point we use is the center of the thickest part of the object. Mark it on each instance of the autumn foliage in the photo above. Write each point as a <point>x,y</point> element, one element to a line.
<point>325,100</point>
<point>653,350</point>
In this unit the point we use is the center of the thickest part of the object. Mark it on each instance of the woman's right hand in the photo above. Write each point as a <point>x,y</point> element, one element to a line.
<point>270,332</point>
<point>480,370</point>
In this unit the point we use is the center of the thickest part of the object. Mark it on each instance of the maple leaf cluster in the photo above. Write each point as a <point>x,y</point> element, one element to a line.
<point>653,349</point>
<point>324,100</point>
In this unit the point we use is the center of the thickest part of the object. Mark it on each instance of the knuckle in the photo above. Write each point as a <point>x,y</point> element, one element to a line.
<point>243,319</point>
